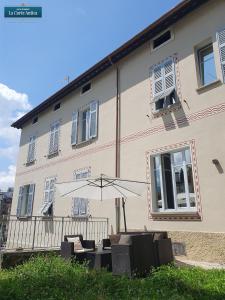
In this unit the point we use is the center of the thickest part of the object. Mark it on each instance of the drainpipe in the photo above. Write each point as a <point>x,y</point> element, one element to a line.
<point>117,154</point>
<point>117,166</point>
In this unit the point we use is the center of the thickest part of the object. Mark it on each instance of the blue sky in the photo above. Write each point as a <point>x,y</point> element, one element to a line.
<point>36,55</point>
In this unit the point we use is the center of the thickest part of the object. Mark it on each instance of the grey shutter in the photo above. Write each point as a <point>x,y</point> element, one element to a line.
<point>30,199</point>
<point>48,195</point>
<point>93,126</point>
<point>157,79</point>
<point>74,128</point>
<point>51,142</point>
<point>56,138</point>
<point>83,206</point>
<point>221,41</point>
<point>87,133</point>
<point>31,149</point>
<point>19,204</point>
<point>76,207</point>
<point>169,75</point>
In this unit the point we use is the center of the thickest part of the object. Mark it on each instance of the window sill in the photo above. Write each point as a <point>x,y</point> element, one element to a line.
<point>54,154</point>
<point>209,86</point>
<point>167,110</point>
<point>83,143</point>
<point>47,218</point>
<point>30,163</point>
<point>80,217</point>
<point>176,216</point>
<point>23,218</point>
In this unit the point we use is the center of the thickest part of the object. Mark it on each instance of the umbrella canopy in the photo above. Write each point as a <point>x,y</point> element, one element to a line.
<point>102,188</point>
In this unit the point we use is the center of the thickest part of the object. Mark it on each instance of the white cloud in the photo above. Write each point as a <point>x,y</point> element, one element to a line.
<point>7,177</point>
<point>12,106</point>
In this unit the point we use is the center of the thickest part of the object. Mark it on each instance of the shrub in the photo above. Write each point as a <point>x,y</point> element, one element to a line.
<point>51,277</point>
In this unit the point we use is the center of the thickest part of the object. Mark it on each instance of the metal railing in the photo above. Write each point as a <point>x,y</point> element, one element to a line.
<point>38,232</point>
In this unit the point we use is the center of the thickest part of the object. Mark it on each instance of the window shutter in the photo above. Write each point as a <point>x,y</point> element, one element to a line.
<point>93,126</point>
<point>221,41</point>
<point>51,143</point>
<point>56,139</point>
<point>48,194</point>
<point>30,199</point>
<point>157,79</point>
<point>19,204</point>
<point>83,207</point>
<point>74,128</point>
<point>75,207</point>
<point>31,149</point>
<point>169,75</point>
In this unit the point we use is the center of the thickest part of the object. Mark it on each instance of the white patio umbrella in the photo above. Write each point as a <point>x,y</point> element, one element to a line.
<point>103,187</point>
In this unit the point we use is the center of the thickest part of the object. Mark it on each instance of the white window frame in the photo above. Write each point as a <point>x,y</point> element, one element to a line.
<point>31,149</point>
<point>162,184</point>
<point>53,135</point>
<point>48,196</point>
<point>199,50</point>
<point>165,91</point>
<point>77,123</point>
<point>79,203</point>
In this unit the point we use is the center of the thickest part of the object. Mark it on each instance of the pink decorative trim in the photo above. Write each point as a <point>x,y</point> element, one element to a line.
<point>175,215</point>
<point>205,113</point>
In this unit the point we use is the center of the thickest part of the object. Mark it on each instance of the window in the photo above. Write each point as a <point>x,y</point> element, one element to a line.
<point>49,192</point>
<point>85,124</point>
<point>164,85</point>
<point>80,205</point>
<point>54,138</point>
<point>85,88</point>
<point>221,41</point>
<point>207,70</point>
<point>57,106</point>
<point>173,187</point>
<point>31,150</point>
<point>35,120</point>
<point>163,38</point>
<point>25,200</point>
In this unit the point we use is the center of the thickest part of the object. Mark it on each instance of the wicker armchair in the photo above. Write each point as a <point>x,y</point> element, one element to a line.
<point>67,248</point>
<point>135,257</point>
<point>141,252</point>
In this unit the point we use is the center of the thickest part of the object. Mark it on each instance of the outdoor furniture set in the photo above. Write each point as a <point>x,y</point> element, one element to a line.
<point>135,253</point>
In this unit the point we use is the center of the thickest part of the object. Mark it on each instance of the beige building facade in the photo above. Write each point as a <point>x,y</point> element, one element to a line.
<point>155,113</point>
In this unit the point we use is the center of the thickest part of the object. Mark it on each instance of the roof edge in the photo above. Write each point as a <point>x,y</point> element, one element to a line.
<point>166,20</point>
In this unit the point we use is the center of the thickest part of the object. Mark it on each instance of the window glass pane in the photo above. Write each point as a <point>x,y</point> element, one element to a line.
<point>207,65</point>
<point>24,200</point>
<point>158,188</point>
<point>187,156</point>
<point>167,175</point>
<point>93,124</point>
<point>159,104</point>
<point>180,187</point>
<point>178,158</point>
<point>156,161</point>
<point>192,201</point>
<point>84,125</point>
<point>190,179</point>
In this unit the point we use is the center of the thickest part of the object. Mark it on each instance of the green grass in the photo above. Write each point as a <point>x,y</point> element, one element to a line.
<point>52,278</point>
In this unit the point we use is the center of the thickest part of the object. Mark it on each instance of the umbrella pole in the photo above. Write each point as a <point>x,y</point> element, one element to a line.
<point>124,215</point>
